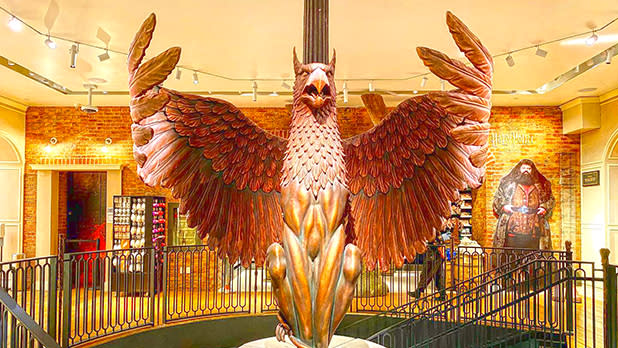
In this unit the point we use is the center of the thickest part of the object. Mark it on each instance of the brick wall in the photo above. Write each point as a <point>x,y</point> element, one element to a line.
<point>81,136</point>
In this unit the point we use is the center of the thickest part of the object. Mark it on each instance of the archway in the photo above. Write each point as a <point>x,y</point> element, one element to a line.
<point>11,191</point>
<point>611,207</point>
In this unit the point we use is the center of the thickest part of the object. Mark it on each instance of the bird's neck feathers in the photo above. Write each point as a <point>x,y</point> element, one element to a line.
<point>314,156</point>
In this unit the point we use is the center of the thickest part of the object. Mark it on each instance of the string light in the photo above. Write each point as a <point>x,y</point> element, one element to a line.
<point>195,78</point>
<point>510,61</point>
<point>15,24</point>
<point>592,39</point>
<point>104,56</point>
<point>540,52</point>
<point>50,43</point>
<point>74,51</point>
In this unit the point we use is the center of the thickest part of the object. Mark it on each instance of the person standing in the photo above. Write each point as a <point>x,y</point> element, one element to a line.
<point>433,264</point>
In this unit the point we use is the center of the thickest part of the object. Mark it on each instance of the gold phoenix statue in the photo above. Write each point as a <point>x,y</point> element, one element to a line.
<point>321,204</point>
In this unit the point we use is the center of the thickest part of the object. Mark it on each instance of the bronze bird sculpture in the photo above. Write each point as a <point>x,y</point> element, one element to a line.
<point>314,206</point>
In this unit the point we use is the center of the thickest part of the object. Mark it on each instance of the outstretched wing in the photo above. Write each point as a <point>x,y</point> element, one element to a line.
<point>404,172</point>
<point>223,167</point>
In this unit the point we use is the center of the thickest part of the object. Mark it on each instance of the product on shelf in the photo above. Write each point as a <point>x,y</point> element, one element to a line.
<point>139,224</point>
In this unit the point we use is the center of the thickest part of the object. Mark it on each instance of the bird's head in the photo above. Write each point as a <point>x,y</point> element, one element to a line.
<point>314,87</point>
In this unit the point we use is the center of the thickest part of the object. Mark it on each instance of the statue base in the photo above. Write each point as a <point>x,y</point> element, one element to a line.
<point>337,341</point>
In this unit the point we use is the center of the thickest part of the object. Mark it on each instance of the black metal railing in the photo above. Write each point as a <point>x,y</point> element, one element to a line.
<point>80,297</point>
<point>18,329</point>
<point>538,302</point>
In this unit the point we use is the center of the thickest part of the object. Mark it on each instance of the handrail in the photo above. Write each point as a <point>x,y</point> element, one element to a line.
<point>35,329</point>
<point>411,304</point>
<point>436,309</point>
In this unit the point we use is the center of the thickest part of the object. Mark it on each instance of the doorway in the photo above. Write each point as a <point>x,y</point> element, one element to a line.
<point>86,206</point>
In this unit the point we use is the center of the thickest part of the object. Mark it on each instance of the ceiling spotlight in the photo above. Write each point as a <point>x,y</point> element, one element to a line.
<point>345,92</point>
<point>414,92</point>
<point>371,87</point>
<point>178,73</point>
<point>15,24</point>
<point>195,79</point>
<point>285,85</point>
<point>274,94</point>
<point>541,52</point>
<point>254,86</point>
<point>592,39</point>
<point>50,43</point>
<point>74,51</point>
<point>510,61</point>
<point>103,57</point>
<point>10,62</point>
<point>424,81</point>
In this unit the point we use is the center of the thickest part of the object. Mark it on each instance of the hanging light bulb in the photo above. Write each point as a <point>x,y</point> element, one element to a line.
<point>540,52</point>
<point>592,39</point>
<point>510,61</point>
<point>104,56</point>
<point>178,73</point>
<point>442,85</point>
<point>424,81</point>
<point>608,57</point>
<point>50,43</point>
<point>74,51</point>
<point>254,86</point>
<point>371,87</point>
<point>15,24</point>
<point>345,92</point>
<point>195,78</point>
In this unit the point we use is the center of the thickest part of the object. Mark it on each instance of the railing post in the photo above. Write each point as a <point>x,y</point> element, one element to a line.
<point>59,281</point>
<point>610,306</point>
<point>152,291</point>
<point>569,286</point>
<point>52,296</point>
<point>164,266</point>
<point>66,302</point>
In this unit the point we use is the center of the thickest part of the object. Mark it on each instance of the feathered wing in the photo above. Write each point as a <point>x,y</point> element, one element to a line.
<point>223,167</point>
<point>404,172</point>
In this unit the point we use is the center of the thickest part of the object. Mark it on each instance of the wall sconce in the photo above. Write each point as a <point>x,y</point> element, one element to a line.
<point>49,147</point>
<point>108,141</point>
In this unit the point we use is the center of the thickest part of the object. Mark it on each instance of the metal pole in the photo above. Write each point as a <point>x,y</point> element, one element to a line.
<point>315,32</point>
<point>610,305</point>
<point>569,286</point>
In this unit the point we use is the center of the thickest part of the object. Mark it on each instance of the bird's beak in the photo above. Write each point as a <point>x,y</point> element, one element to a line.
<point>317,89</point>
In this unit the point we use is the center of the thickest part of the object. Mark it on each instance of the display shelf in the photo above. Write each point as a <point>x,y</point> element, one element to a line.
<point>139,222</point>
<point>462,210</point>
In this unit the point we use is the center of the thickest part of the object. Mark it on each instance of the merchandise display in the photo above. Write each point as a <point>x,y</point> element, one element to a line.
<point>139,224</point>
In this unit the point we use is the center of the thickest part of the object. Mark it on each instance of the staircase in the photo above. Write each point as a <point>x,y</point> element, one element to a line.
<point>527,302</point>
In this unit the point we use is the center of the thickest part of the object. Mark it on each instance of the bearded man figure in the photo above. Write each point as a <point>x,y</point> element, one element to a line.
<point>523,205</point>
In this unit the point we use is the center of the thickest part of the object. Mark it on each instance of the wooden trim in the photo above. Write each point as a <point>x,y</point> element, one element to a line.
<point>77,167</point>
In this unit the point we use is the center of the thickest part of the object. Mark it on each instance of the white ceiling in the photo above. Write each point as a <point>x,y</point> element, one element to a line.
<point>254,39</point>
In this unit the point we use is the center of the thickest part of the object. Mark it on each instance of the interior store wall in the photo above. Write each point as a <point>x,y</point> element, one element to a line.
<point>600,203</point>
<point>81,137</point>
<point>12,134</point>
<point>534,133</point>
